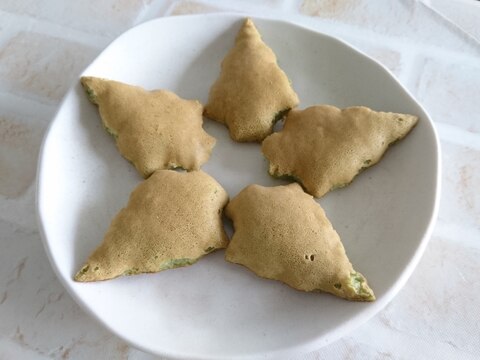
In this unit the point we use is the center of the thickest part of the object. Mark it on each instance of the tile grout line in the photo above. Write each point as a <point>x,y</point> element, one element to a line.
<point>238,6</point>
<point>458,136</point>
<point>27,204</point>
<point>14,103</point>
<point>445,19</point>
<point>55,30</point>
<point>29,230</point>
<point>31,96</point>
<point>407,62</point>
<point>405,334</point>
<point>345,31</point>
<point>169,10</point>
<point>156,9</point>
<point>447,229</point>
<point>290,5</point>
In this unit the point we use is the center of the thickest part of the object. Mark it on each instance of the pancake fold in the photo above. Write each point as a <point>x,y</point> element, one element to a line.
<point>282,233</point>
<point>154,130</point>
<point>172,219</point>
<point>252,92</point>
<point>324,147</point>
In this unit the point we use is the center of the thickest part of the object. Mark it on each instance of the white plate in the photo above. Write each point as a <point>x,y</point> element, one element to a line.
<point>215,309</point>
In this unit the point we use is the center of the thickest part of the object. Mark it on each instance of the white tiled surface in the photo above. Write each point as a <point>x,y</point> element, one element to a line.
<point>465,14</point>
<point>45,44</point>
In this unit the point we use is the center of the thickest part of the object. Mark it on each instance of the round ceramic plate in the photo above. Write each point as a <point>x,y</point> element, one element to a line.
<point>215,309</point>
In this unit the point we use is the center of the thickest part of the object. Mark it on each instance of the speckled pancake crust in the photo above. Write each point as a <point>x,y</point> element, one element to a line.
<point>281,233</point>
<point>252,92</point>
<point>172,219</point>
<point>153,129</point>
<point>324,147</point>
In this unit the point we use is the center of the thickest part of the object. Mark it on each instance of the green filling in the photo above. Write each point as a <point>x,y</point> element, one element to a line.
<point>110,131</point>
<point>209,249</point>
<point>339,186</point>
<point>84,270</point>
<point>93,98</point>
<point>133,271</point>
<point>338,285</point>
<point>289,178</point>
<point>366,165</point>
<point>358,283</point>
<point>279,115</point>
<point>170,264</point>
<point>174,263</point>
<point>286,177</point>
<point>91,95</point>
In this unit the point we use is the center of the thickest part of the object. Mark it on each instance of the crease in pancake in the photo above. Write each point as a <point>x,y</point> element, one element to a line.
<point>282,233</point>
<point>152,129</point>
<point>252,92</point>
<point>172,219</point>
<point>324,147</point>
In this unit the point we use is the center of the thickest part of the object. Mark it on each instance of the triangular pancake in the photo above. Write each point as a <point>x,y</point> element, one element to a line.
<point>324,147</point>
<point>172,219</point>
<point>153,129</point>
<point>281,233</point>
<point>252,92</point>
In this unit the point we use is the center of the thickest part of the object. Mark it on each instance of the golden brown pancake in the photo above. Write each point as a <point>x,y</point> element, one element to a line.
<point>252,92</point>
<point>153,129</point>
<point>324,147</point>
<point>281,233</point>
<point>172,219</point>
